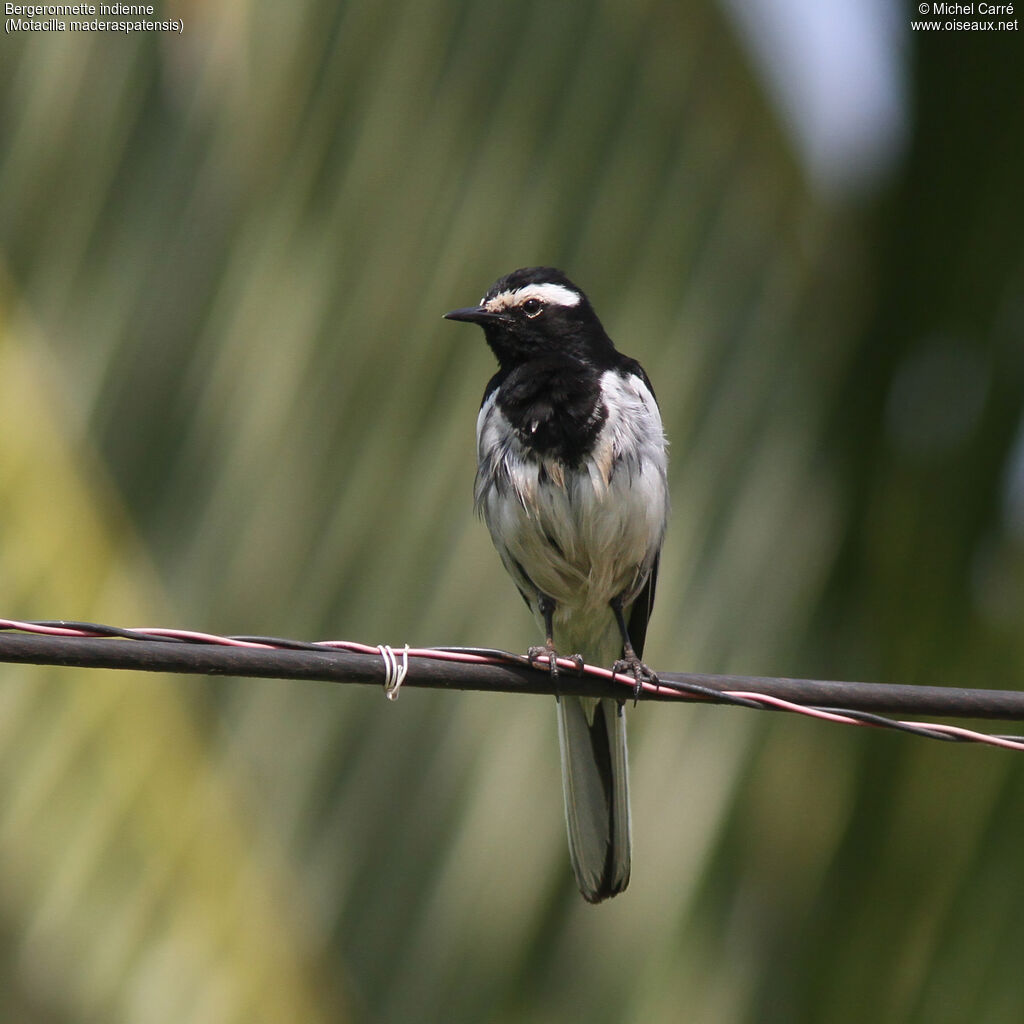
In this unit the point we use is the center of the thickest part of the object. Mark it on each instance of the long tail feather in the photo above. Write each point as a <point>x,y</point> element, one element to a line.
<point>595,781</point>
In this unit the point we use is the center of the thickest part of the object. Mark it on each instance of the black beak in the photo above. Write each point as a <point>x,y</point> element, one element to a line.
<point>475,315</point>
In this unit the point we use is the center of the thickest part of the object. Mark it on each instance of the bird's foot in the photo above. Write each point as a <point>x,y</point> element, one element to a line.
<point>545,652</point>
<point>548,653</point>
<point>631,665</point>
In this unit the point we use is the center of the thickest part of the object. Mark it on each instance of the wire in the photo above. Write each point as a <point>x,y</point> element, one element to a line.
<point>158,649</point>
<point>394,675</point>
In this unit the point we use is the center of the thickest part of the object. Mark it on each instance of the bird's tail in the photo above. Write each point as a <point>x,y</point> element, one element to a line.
<point>595,780</point>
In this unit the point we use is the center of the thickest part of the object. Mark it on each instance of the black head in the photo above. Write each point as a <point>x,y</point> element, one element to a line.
<point>534,312</point>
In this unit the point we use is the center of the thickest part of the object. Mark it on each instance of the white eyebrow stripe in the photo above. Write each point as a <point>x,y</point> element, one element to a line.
<point>551,294</point>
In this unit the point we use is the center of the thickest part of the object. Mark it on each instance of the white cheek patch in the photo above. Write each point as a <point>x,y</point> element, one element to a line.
<point>549,294</point>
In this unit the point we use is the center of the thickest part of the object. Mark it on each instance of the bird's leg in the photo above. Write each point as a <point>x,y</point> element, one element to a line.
<point>547,610</point>
<point>630,662</point>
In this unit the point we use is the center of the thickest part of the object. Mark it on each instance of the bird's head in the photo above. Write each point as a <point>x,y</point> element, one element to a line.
<point>535,312</point>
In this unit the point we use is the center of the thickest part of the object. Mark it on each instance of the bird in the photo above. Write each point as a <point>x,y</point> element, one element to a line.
<point>572,485</point>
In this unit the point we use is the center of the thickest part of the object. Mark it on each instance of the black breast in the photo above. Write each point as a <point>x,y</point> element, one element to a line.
<point>554,406</point>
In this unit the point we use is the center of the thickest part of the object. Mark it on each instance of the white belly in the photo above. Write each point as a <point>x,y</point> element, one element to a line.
<point>579,536</point>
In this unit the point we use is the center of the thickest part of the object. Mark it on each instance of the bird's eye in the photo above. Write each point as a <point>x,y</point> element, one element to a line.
<point>533,307</point>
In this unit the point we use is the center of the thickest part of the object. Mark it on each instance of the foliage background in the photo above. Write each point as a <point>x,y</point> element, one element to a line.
<point>228,402</point>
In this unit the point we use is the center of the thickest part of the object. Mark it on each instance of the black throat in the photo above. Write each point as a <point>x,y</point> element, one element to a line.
<point>554,404</point>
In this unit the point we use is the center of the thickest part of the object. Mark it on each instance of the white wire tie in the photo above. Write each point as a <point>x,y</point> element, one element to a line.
<point>394,674</point>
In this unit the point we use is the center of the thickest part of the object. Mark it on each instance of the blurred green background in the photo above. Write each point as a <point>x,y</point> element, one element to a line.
<point>228,401</point>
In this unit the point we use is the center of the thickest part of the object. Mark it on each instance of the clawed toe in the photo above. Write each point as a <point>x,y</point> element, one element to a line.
<point>642,675</point>
<point>547,653</point>
<point>535,654</point>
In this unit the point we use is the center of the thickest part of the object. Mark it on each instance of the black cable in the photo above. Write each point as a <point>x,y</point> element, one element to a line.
<point>104,646</point>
